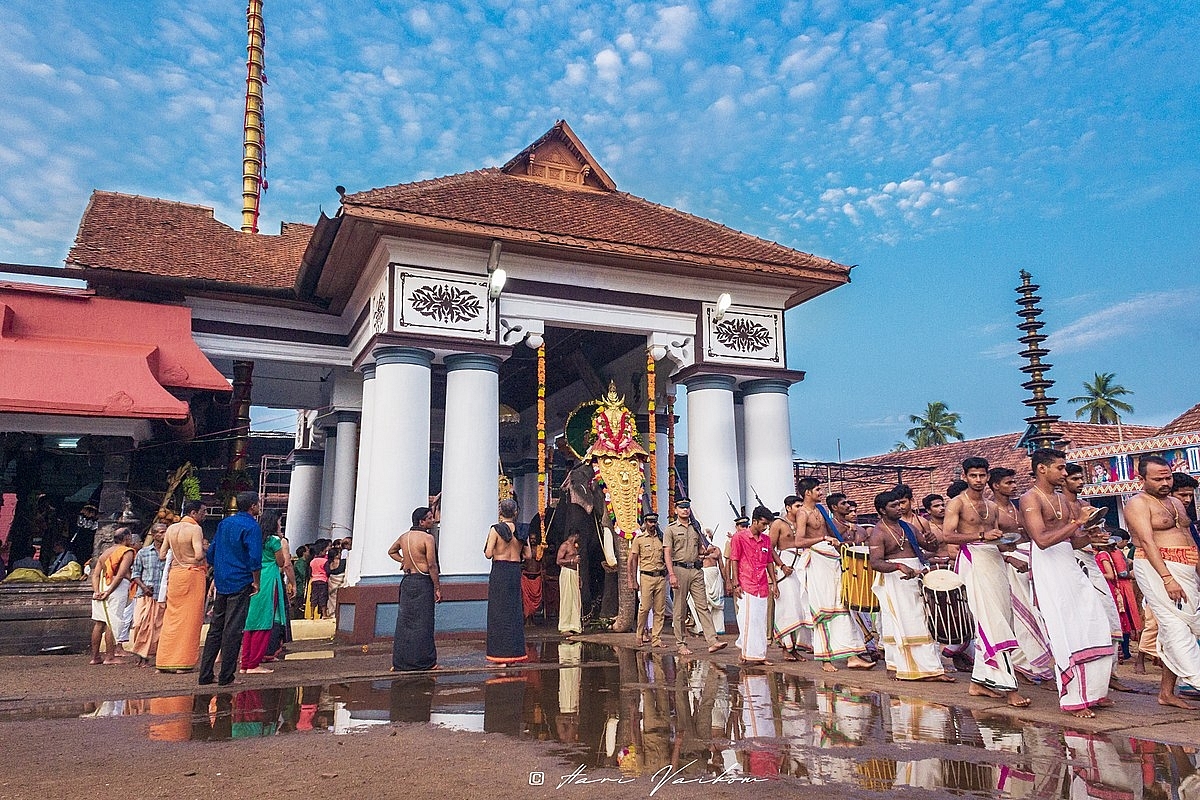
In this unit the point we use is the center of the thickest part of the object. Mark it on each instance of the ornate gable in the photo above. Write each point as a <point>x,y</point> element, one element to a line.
<point>559,158</point>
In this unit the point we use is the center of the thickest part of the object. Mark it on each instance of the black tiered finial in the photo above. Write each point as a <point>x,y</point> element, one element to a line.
<point>1038,383</point>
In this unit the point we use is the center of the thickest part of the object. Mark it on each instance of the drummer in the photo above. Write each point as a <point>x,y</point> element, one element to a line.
<point>971,522</point>
<point>835,637</point>
<point>852,533</point>
<point>858,538</point>
<point>897,554</point>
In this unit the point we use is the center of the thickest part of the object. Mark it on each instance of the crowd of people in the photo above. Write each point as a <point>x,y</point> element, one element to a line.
<point>1032,589</point>
<point>151,600</point>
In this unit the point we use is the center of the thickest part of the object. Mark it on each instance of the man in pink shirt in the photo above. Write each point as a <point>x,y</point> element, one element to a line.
<point>753,578</point>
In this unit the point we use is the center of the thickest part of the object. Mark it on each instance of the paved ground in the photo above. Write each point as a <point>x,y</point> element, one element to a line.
<point>410,760</point>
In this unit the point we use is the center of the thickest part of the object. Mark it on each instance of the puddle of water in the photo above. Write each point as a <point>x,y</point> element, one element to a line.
<point>632,712</point>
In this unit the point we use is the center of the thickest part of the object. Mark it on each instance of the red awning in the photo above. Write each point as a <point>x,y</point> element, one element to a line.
<point>70,352</point>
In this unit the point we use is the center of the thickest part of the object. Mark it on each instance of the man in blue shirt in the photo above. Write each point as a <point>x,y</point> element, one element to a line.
<point>236,559</point>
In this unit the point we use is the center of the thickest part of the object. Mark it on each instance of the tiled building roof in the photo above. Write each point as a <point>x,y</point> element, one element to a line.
<point>522,208</point>
<point>148,236</point>
<point>1187,422</point>
<point>946,460</point>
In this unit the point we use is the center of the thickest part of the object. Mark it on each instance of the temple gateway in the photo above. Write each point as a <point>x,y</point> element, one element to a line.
<point>434,329</point>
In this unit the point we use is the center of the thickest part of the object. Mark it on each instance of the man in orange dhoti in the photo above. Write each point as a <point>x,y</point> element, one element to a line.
<point>179,642</point>
<point>148,612</point>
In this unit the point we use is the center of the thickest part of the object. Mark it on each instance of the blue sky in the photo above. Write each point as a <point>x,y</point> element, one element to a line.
<point>940,146</point>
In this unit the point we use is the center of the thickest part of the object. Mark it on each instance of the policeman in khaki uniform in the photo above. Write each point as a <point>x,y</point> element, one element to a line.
<point>646,557</point>
<point>685,551</point>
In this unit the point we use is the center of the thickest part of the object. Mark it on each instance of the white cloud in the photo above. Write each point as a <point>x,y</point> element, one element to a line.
<point>672,29</point>
<point>1127,320</point>
<point>608,64</point>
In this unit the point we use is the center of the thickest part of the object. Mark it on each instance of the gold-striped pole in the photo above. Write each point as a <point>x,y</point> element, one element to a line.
<point>652,428</point>
<point>252,141</point>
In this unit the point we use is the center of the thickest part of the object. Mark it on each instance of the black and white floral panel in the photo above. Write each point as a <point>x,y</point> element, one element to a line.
<point>454,304</point>
<point>743,335</point>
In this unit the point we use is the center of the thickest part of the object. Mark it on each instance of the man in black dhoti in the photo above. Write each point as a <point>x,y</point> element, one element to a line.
<point>416,550</point>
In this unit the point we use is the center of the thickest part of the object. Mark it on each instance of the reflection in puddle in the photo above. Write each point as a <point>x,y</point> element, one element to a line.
<point>634,712</point>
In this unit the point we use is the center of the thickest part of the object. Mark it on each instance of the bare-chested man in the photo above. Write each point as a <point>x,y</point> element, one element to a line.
<point>792,620</point>
<point>908,647</point>
<point>1164,565</point>
<point>179,643</point>
<point>1086,556</point>
<point>935,521</point>
<point>413,648</point>
<point>971,523</point>
<point>835,637</point>
<point>852,533</point>
<point>1075,620</point>
<point>907,512</point>
<point>1031,659</point>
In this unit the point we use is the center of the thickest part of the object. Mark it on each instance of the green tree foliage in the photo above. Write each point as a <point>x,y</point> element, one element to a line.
<point>1100,400</point>
<point>938,426</point>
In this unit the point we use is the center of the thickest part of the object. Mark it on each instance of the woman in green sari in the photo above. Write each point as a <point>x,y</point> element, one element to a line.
<point>269,606</point>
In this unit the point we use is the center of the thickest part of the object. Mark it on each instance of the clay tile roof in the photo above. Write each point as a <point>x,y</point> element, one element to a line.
<point>946,459</point>
<point>523,208</point>
<point>1085,434</point>
<point>1187,422</point>
<point>145,235</point>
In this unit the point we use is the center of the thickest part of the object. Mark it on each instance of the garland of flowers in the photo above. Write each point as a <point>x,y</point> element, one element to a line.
<point>670,454</point>
<point>652,429</point>
<point>541,431</point>
<point>618,442</point>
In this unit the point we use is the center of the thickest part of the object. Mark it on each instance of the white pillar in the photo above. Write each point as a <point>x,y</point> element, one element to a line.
<point>663,463</point>
<point>327,481</point>
<point>470,462</point>
<point>399,471</point>
<point>304,497</point>
<point>712,450</point>
<point>768,440</point>
<point>341,514</point>
<point>362,471</point>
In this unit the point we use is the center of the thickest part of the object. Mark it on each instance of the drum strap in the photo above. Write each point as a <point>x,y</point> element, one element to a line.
<point>829,523</point>
<point>912,541</point>
<point>1195,534</point>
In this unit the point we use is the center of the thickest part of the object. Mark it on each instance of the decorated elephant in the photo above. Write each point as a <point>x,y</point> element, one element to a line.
<point>603,502</point>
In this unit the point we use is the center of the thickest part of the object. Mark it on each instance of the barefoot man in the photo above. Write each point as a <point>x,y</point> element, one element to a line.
<point>1032,658</point>
<point>971,524</point>
<point>1075,620</point>
<point>751,577</point>
<point>1164,566</point>
<point>835,636</point>
<point>909,650</point>
<point>792,621</point>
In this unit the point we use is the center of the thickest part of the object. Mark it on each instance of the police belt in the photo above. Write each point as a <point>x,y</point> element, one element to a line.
<point>655,573</point>
<point>689,564</point>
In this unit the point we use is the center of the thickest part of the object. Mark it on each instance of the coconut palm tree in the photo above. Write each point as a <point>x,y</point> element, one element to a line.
<point>938,426</point>
<point>1100,400</point>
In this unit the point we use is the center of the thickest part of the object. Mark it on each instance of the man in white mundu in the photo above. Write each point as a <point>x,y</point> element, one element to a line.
<point>909,650</point>
<point>835,636</point>
<point>971,523</point>
<point>1164,565</point>
<point>1032,658</point>
<point>1075,620</point>
<point>792,623</point>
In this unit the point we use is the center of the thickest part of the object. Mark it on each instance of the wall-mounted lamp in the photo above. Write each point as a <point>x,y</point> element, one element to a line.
<point>496,276</point>
<point>723,304</point>
<point>496,283</point>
